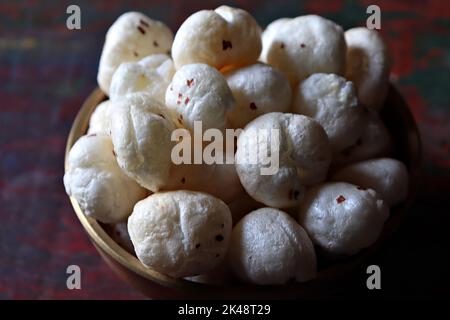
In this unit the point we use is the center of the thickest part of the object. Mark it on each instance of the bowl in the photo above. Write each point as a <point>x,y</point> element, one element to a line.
<point>407,148</point>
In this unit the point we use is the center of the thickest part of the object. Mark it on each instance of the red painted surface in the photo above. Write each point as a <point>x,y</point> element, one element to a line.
<point>46,71</point>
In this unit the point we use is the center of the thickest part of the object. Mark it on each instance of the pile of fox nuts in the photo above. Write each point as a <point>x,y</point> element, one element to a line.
<point>320,87</point>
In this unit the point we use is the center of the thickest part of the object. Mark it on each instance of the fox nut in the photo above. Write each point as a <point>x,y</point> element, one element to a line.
<point>151,75</point>
<point>342,218</point>
<point>100,119</point>
<point>269,247</point>
<point>130,38</point>
<point>374,141</point>
<point>280,153</point>
<point>331,101</point>
<point>368,65</point>
<point>258,89</point>
<point>224,37</point>
<point>95,180</point>
<point>199,92</point>
<point>141,134</point>
<point>180,233</point>
<point>304,45</point>
<point>388,177</point>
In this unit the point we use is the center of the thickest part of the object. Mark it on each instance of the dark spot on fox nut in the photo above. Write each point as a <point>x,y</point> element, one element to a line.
<point>144,23</point>
<point>141,30</point>
<point>340,199</point>
<point>226,44</point>
<point>155,43</point>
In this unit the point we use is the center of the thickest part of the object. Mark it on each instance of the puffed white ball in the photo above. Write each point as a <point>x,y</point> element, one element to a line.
<point>151,75</point>
<point>304,45</point>
<point>224,37</point>
<point>299,151</point>
<point>180,233</point>
<point>368,65</point>
<point>218,179</point>
<point>141,133</point>
<point>94,179</point>
<point>119,233</point>
<point>388,177</point>
<point>130,38</point>
<point>269,247</point>
<point>100,119</point>
<point>331,101</point>
<point>258,89</point>
<point>375,141</point>
<point>342,218</point>
<point>199,92</point>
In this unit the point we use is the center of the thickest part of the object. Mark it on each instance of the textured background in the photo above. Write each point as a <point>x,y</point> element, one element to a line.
<point>46,71</point>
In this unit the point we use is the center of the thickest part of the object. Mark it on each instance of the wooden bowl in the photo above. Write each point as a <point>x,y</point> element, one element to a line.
<point>401,125</point>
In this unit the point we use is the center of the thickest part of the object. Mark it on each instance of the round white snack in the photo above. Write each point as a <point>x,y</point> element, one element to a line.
<point>199,92</point>
<point>375,141</point>
<point>95,180</point>
<point>130,38</point>
<point>269,247</point>
<point>368,65</point>
<point>141,133</point>
<point>388,177</point>
<point>151,75</point>
<point>278,154</point>
<point>218,179</point>
<point>304,45</point>
<point>331,101</point>
<point>224,37</point>
<point>258,89</point>
<point>221,275</point>
<point>342,218</point>
<point>180,233</point>
<point>99,121</point>
<point>119,233</point>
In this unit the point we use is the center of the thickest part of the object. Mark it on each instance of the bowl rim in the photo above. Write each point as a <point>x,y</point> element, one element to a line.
<point>103,241</point>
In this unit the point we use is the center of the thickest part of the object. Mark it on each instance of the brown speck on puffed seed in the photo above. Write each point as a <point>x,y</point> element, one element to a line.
<point>253,106</point>
<point>155,44</point>
<point>187,100</point>
<point>183,180</point>
<point>197,246</point>
<point>226,44</point>
<point>135,54</point>
<point>282,45</point>
<point>189,82</point>
<point>141,30</point>
<point>340,199</point>
<point>161,115</point>
<point>144,23</point>
<point>302,45</point>
<point>92,135</point>
<point>114,154</point>
<point>219,237</point>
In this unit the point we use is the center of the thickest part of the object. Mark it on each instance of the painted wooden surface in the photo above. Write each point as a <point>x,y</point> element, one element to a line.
<point>46,71</point>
